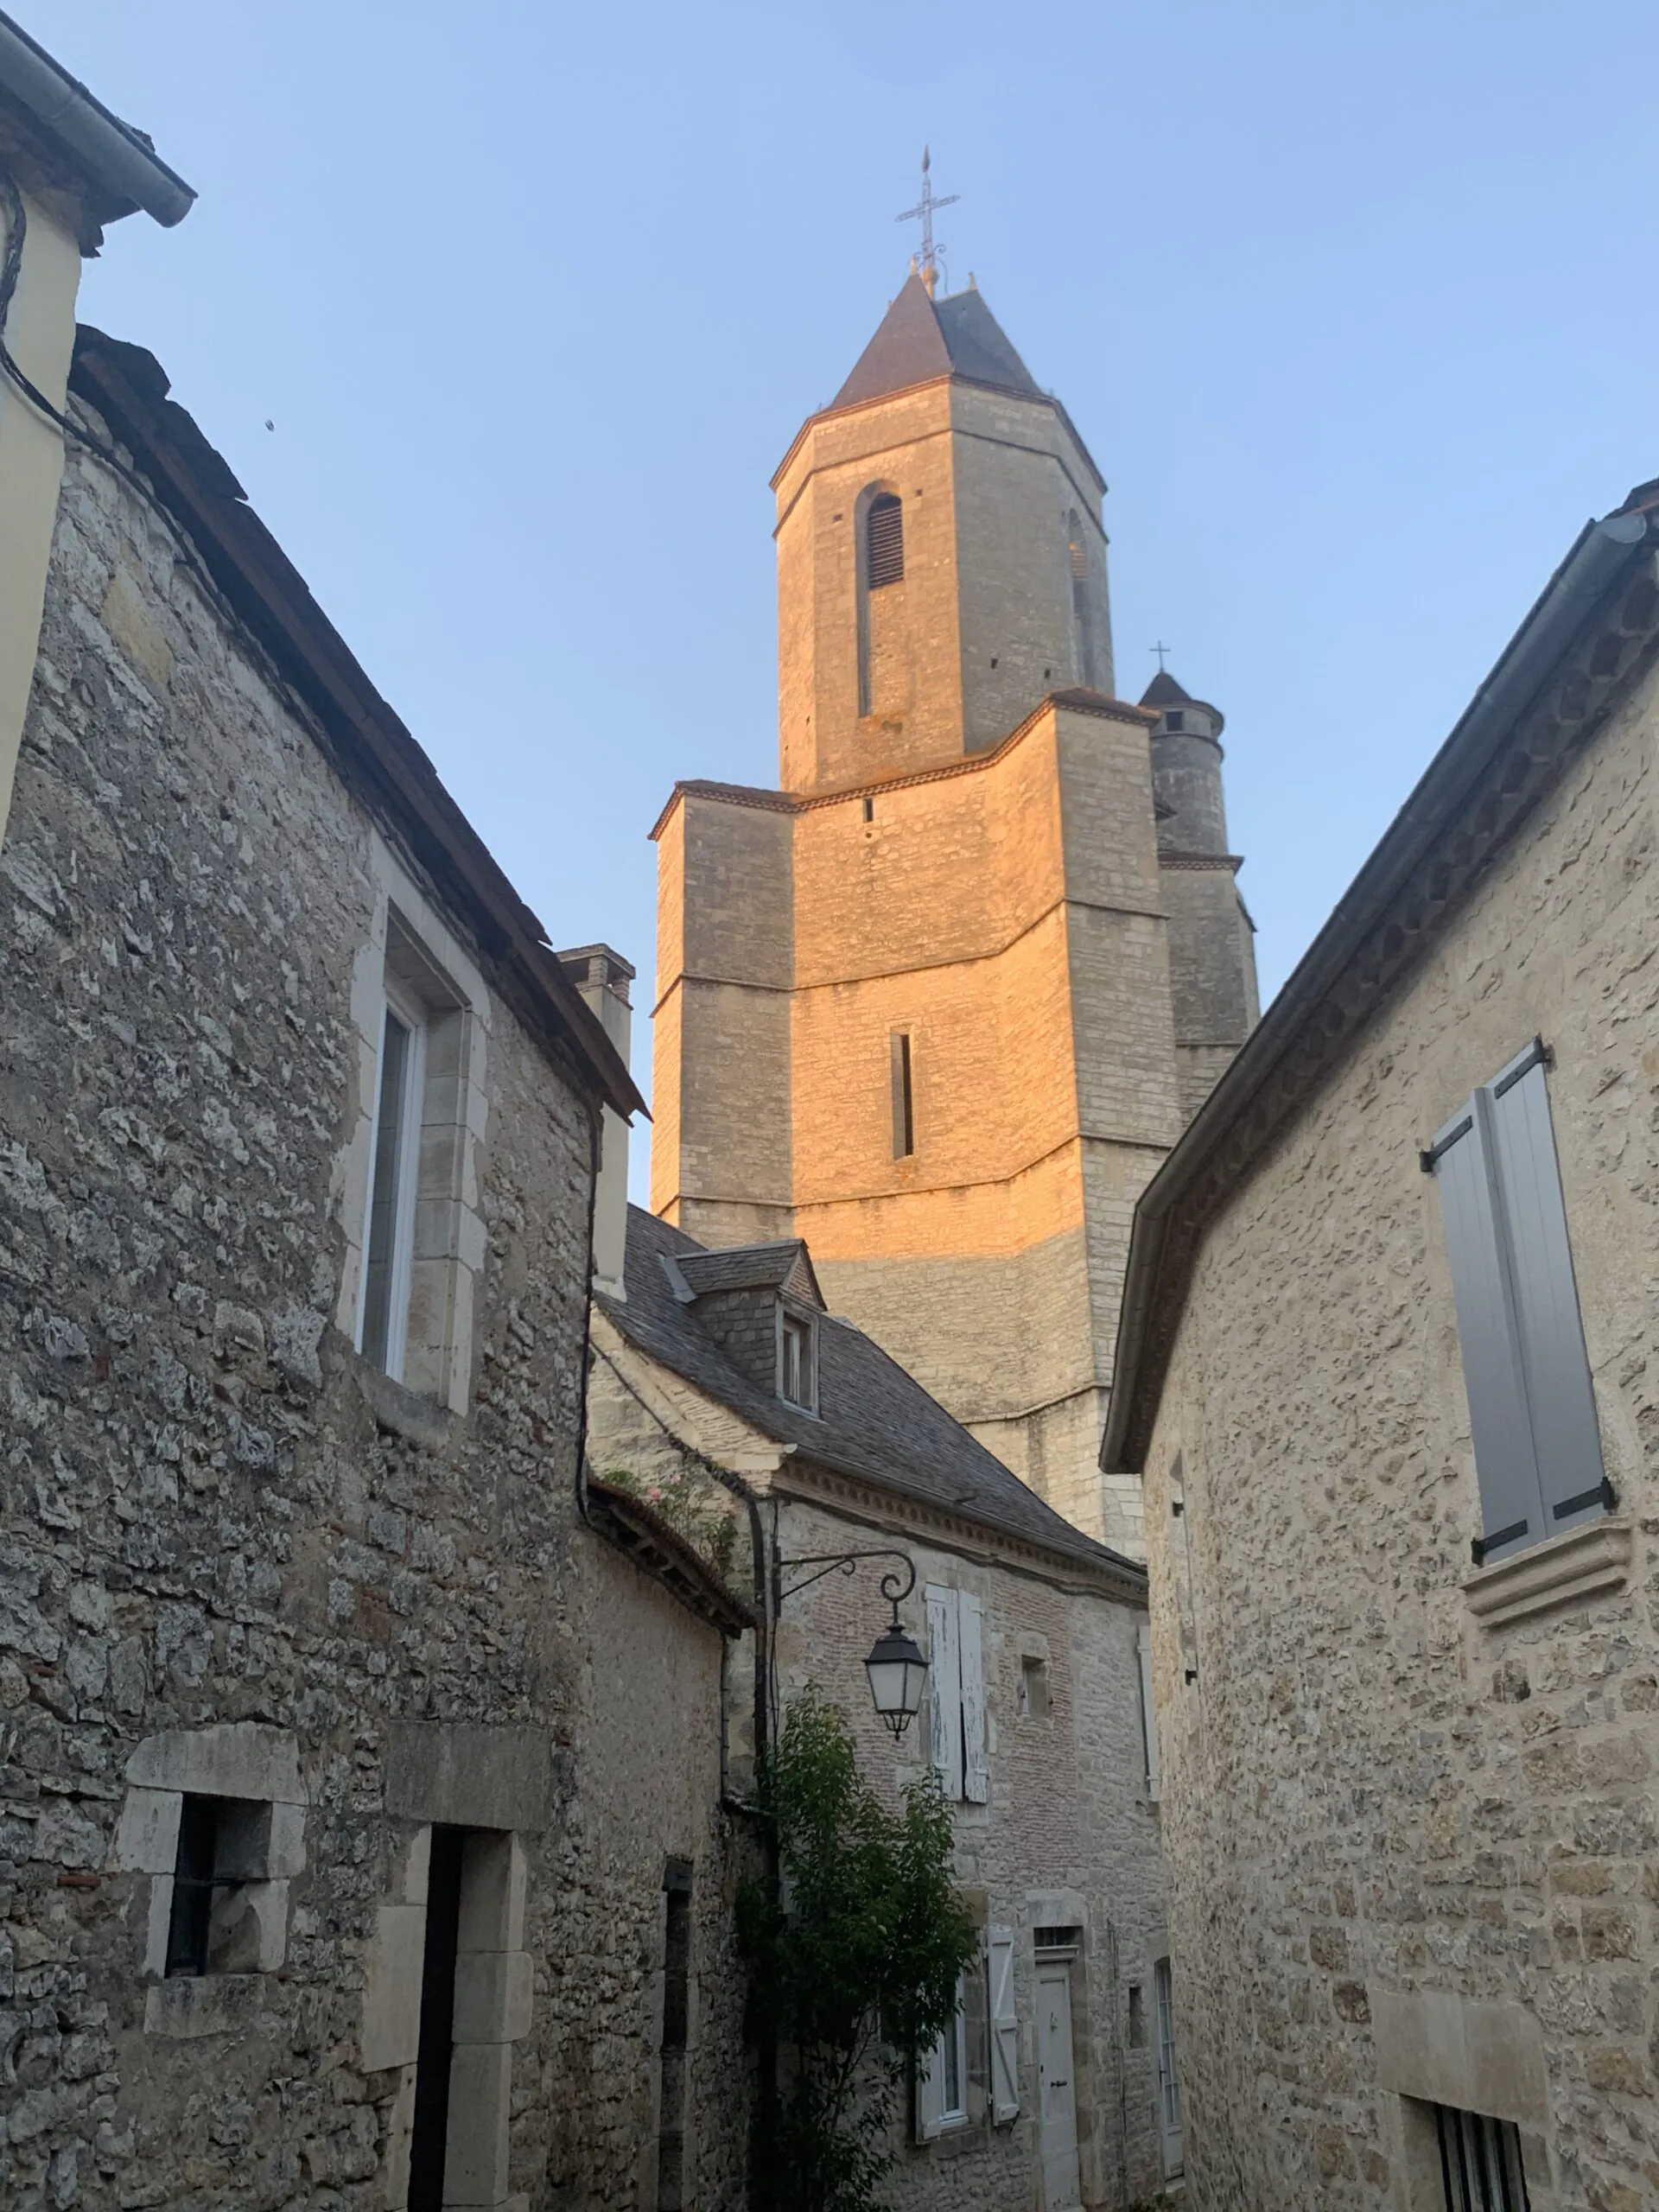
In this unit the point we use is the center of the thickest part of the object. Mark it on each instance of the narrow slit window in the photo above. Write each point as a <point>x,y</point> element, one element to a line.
<point>904,1102</point>
<point>392,1192</point>
<point>797,1383</point>
<point>885,542</point>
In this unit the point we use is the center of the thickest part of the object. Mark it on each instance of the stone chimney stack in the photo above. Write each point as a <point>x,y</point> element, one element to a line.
<point>602,976</point>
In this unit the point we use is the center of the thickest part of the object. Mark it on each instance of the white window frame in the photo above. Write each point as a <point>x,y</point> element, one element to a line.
<point>400,1006</point>
<point>933,2116</point>
<point>790,1322</point>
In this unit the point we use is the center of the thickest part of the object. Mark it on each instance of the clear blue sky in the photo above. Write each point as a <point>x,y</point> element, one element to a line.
<point>1352,302</point>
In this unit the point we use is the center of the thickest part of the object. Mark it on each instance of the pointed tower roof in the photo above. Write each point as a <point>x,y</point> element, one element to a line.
<point>1164,691</point>
<point>921,338</point>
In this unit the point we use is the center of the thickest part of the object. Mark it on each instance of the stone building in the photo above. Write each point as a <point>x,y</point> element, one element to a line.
<point>363,1839</point>
<point>941,1002</point>
<point>780,1437</point>
<point>1388,1363</point>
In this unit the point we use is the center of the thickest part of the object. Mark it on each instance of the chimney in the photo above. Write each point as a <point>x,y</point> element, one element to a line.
<point>602,976</point>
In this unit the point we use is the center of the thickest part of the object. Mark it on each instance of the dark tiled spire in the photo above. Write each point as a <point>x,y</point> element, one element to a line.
<point>921,338</point>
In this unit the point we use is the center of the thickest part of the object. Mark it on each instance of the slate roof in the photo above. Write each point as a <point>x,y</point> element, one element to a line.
<point>1165,691</point>
<point>875,1422</point>
<point>921,338</point>
<point>751,1267</point>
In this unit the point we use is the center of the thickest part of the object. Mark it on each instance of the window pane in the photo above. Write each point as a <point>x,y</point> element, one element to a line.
<point>952,2053</point>
<point>385,1192</point>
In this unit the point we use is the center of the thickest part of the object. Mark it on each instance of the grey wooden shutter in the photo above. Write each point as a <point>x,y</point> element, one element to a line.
<point>929,2092</point>
<point>1148,1713</point>
<point>1567,1439</point>
<point>1005,2028</point>
<point>944,1688</point>
<point>975,1770</point>
<point>1511,1497</point>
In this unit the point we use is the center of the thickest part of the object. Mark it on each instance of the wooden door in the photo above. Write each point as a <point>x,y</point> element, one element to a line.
<point>1057,2088</point>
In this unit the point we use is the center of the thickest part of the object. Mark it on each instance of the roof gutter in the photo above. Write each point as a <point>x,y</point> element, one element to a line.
<point>1598,558</point>
<point>116,155</point>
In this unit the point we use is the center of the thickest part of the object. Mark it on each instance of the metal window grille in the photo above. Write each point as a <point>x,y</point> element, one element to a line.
<point>886,545</point>
<point>195,1885</point>
<point>1480,2162</point>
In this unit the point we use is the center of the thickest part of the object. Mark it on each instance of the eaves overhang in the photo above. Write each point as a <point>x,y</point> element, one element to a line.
<point>72,133</point>
<point>1076,701</point>
<point>926,384</point>
<point>1594,628</point>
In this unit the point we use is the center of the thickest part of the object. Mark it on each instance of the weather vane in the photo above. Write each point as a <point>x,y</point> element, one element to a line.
<point>928,260</point>
<point>1160,648</point>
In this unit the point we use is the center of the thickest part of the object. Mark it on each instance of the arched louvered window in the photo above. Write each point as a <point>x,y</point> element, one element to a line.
<point>884,545</point>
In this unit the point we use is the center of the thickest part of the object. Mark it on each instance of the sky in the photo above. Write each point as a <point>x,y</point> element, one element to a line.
<point>534,297</point>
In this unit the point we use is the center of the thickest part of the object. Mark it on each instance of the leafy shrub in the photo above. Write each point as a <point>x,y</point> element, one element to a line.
<point>855,1957</point>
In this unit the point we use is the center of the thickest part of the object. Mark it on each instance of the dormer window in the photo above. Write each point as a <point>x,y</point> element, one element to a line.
<point>798,1379</point>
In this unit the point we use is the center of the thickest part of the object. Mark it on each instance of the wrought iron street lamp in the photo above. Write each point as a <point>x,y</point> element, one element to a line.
<point>896,1670</point>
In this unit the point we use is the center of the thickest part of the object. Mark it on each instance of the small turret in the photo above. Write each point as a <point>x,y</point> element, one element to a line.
<point>1211,954</point>
<point>1186,758</point>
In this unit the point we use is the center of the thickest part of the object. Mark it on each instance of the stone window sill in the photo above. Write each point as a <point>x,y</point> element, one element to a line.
<point>189,2005</point>
<point>1587,1562</point>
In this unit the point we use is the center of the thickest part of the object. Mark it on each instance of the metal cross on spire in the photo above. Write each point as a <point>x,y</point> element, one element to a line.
<point>1160,648</point>
<point>928,260</point>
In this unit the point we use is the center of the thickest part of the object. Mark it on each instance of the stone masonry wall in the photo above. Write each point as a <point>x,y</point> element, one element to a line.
<point>215,1518</point>
<point>1378,1807</point>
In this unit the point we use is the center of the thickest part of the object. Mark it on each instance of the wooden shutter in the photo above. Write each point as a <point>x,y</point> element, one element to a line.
<point>1149,1715</point>
<point>944,1688</point>
<point>930,2094</point>
<point>1511,1498</point>
<point>975,1773</point>
<point>886,527</point>
<point>1005,2028</point>
<point>1567,1439</point>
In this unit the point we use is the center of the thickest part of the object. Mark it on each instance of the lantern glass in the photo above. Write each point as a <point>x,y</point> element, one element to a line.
<point>898,1675</point>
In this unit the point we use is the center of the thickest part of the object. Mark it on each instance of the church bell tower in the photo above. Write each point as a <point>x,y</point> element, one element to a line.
<point>920,1005</point>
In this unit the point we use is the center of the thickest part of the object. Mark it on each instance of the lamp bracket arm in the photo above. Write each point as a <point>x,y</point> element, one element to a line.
<point>894,1587</point>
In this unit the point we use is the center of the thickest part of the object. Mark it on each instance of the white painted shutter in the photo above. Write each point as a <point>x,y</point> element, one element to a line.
<point>975,1773</point>
<point>1567,1439</point>
<point>944,1688</point>
<point>1148,1712</point>
<point>1005,2028</point>
<point>1511,1498</point>
<point>930,2094</point>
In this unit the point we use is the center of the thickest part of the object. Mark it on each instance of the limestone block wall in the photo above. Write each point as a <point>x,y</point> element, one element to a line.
<point>1211,973</point>
<point>1022,484</point>
<point>220,1530</point>
<point>994,488</point>
<point>903,446</point>
<point>1410,1851</point>
<point>1006,918</point>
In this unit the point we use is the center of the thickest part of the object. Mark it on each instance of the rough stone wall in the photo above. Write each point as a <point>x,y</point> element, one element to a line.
<point>1067,1837</point>
<point>1211,975</point>
<point>213,1516</point>
<point>1372,1798</point>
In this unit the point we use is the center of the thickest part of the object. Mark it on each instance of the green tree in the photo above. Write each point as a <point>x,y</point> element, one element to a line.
<point>854,1955</point>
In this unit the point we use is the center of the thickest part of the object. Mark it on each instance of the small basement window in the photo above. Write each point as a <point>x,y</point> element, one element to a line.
<point>223,1844</point>
<point>1480,2162</point>
<point>798,1382</point>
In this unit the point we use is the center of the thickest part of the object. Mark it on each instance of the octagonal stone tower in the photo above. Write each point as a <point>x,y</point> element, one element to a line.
<point>915,1005</point>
